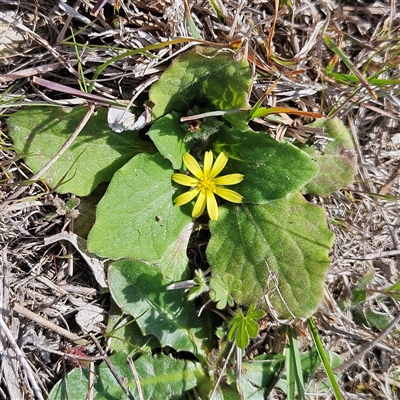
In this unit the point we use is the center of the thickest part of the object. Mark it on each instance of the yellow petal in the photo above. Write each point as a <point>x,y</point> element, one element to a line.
<point>229,195</point>
<point>192,165</point>
<point>208,162</point>
<point>185,180</point>
<point>231,179</point>
<point>200,205</point>
<point>186,197</point>
<point>212,206</point>
<point>219,165</point>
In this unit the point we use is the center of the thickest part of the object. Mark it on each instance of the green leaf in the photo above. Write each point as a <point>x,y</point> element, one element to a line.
<point>124,334</point>
<point>329,360</point>
<point>140,290</point>
<point>294,367</point>
<point>337,162</point>
<point>174,262</point>
<point>346,60</point>
<point>258,375</point>
<point>367,278</point>
<point>168,135</point>
<point>244,327</point>
<point>393,290</point>
<point>221,290</point>
<point>39,133</point>
<point>168,378</point>
<point>203,75</point>
<point>272,169</point>
<point>281,247</point>
<point>255,314</point>
<point>359,295</point>
<point>136,217</point>
<point>160,378</point>
<point>376,319</point>
<point>200,285</point>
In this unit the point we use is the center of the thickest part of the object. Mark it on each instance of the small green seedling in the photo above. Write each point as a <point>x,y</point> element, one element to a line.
<point>244,328</point>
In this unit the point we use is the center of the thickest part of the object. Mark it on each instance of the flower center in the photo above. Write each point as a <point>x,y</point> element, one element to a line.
<point>206,184</point>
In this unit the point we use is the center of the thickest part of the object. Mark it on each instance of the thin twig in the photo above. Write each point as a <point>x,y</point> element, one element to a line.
<point>24,362</point>
<point>367,347</point>
<point>136,378</point>
<point>112,369</point>
<point>379,254</point>
<point>40,69</point>
<point>222,371</point>
<point>44,322</point>
<point>88,359</point>
<point>91,382</point>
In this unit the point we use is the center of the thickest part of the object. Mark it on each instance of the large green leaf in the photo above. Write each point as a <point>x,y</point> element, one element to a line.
<point>337,161</point>
<point>203,75</point>
<point>280,247</point>
<point>271,169</point>
<point>168,135</point>
<point>136,217</point>
<point>140,290</point>
<point>160,378</point>
<point>39,133</point>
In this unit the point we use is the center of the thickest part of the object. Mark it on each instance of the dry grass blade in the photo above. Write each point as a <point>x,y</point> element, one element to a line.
<point>4,331</point>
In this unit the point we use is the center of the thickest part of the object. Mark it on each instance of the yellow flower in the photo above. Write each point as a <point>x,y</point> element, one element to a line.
<point>205,184</point>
